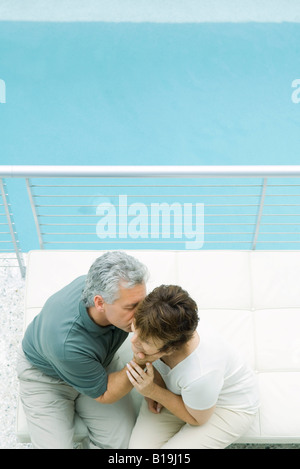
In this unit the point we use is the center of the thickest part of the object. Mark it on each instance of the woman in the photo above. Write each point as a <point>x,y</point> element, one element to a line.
<point>200,393</point>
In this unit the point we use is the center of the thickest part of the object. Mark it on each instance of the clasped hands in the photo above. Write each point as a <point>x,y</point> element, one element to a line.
<point>143,381</point>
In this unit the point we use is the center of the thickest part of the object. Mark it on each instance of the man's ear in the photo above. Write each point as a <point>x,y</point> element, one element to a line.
<point>99,303</point>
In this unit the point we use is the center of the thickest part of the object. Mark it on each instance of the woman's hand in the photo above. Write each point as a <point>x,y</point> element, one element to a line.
<point>143,381</point>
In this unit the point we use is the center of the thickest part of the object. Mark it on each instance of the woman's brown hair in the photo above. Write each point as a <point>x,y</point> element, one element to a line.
<point>169,314</point>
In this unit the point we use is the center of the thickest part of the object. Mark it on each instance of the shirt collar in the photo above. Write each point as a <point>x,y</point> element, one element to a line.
<point>89,324</point>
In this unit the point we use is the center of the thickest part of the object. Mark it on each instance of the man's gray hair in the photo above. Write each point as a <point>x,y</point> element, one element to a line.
<point>110,271</point>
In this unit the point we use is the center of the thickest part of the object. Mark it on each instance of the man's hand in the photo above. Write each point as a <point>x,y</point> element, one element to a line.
<point>153,406</point>
<point>141,359</point>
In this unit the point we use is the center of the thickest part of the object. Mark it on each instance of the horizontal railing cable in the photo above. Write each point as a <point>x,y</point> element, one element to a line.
<point>166,207</point>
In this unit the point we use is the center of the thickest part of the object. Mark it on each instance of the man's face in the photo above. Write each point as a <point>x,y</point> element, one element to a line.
<point>120,313</point>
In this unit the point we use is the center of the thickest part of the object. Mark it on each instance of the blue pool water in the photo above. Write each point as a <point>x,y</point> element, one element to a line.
<point>139,94</point>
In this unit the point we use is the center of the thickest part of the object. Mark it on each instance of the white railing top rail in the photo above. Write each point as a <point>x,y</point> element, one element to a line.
<point>149,171</point>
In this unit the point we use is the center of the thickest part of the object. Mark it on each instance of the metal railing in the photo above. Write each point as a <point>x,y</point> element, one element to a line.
<point>163,207</point>
<point>9,243</point>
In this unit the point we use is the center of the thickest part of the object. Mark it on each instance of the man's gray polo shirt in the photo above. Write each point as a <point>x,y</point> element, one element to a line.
<point>64,342</point>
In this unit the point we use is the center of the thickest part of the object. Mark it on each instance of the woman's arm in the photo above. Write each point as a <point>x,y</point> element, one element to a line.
<point>144,384</point>
<point>154,406</point>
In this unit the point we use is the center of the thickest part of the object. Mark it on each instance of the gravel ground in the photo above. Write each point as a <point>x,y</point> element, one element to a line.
<point>12,289</point>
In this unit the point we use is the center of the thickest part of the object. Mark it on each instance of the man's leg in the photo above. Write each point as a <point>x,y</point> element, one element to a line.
<point>49,407</point>
<point>109,425</point>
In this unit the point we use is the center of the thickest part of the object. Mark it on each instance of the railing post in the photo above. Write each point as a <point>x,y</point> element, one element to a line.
<point>35,215</point>
<point>11,227</point>
<point>260,212</point>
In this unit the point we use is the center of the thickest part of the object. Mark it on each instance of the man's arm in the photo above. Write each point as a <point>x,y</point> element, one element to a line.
<point>118,386</point>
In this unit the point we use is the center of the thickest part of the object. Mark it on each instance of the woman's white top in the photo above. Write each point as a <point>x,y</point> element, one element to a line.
<point>213,373</point>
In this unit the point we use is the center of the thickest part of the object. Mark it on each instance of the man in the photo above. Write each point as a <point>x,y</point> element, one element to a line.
<point>68,361</point>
